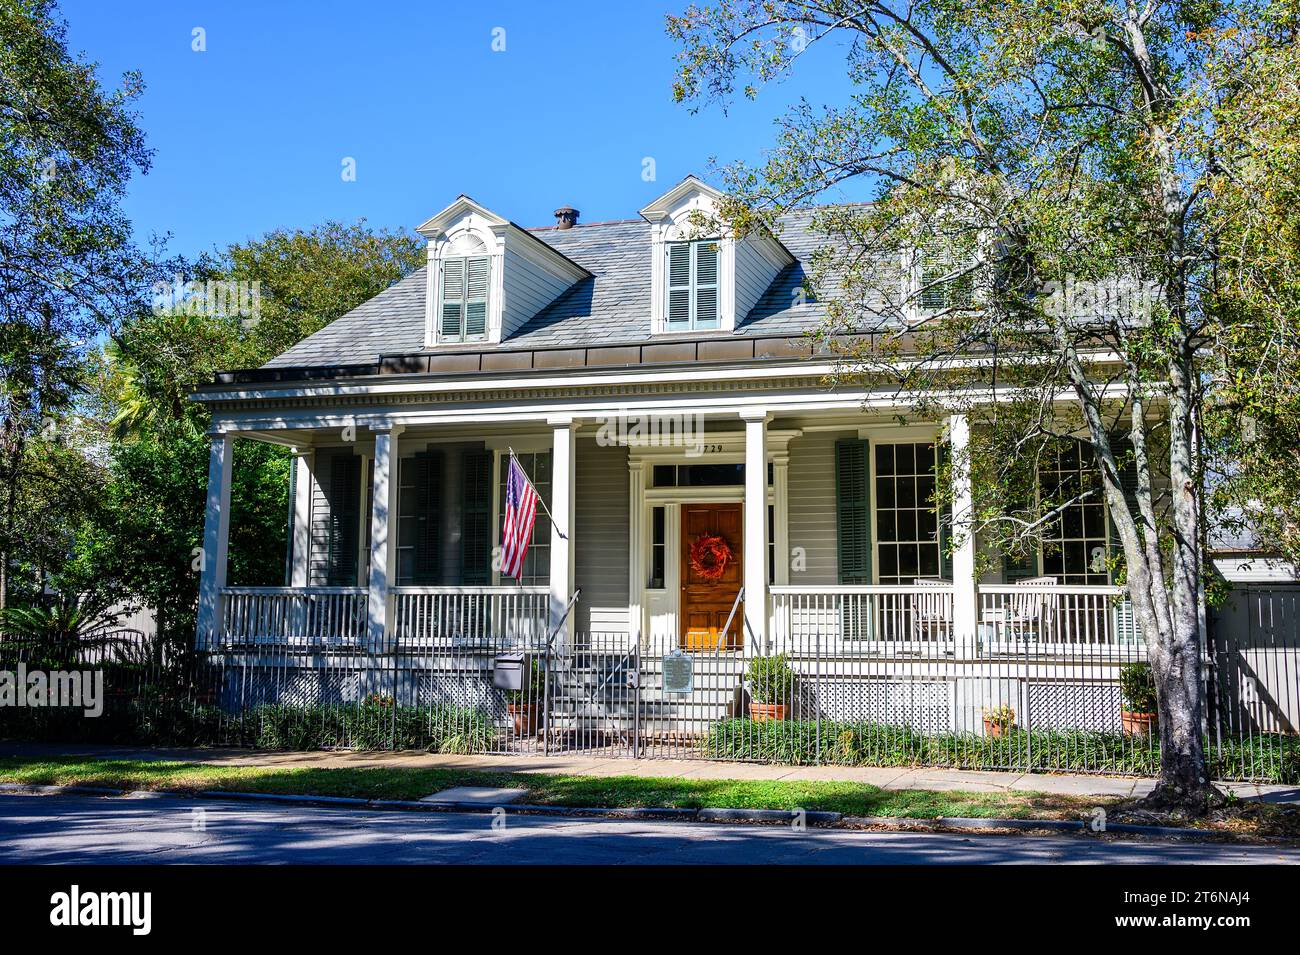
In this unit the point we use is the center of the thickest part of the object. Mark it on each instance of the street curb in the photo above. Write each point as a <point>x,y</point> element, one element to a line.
<point>817,818</point>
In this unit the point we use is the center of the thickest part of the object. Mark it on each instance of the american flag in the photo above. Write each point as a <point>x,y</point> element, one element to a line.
<point>521,512</point>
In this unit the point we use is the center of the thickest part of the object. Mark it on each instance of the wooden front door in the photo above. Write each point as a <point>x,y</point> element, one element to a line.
<point>706,603</point>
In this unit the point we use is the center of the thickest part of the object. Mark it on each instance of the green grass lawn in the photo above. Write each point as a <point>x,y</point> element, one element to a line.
<point>1249,820</point>
<point>544,789</point>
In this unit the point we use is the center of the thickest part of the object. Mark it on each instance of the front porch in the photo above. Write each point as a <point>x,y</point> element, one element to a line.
<point>839,562</point>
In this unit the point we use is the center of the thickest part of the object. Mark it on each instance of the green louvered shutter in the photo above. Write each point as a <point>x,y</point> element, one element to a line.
<point>706,285</point>
<point>1019,568</point>
<point>476,297</point>
<point>945,519</point>
<point>853,503</point>
<point>476,518</point>
<point>344,497</point>
<point>427,542</point>
<point>679,286</point>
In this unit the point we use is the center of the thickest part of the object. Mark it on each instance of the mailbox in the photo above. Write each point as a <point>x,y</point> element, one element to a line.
<point>508,671</point>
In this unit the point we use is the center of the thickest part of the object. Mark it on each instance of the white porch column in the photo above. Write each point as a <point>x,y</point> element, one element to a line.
<point>304,478</point>
<point>563,480</point>
<point>756,528</point>
<point>965,611</point>
<point>638,548</point>
<point>383,536</point>
<point>216,536</point>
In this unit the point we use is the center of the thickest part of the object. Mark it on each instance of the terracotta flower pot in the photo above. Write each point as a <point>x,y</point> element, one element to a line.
<point>524,716</point>
<point>995,728</point>
<point>762,712</point>
<point>1138,724</point>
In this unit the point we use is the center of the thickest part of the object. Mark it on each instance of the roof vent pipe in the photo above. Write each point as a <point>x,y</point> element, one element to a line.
<point>566,217</point>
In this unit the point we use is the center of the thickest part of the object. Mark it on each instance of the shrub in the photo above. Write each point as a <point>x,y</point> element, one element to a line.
<point>771,679</point>
<point>1138,687</point>
<point>1002,716</point>
<point>1270,757</point>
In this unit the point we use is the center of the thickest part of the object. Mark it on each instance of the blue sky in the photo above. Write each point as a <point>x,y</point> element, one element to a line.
<point>251,133</point>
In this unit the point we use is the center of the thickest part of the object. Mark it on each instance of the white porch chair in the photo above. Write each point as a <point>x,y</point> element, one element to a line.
<point>932,609</point>
<point>1032,613</point>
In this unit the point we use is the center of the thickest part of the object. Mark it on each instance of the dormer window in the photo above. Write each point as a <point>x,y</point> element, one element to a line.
<point>465,286</point>
<point>692,285</point>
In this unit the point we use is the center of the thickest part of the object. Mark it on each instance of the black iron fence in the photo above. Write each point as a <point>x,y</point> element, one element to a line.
<point>1013,698</point>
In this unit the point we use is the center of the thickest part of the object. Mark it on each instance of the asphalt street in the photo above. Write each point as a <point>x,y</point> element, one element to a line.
<point>60,829</point>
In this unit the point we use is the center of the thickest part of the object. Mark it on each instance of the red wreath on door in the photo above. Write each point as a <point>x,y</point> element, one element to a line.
<point>709,556</point>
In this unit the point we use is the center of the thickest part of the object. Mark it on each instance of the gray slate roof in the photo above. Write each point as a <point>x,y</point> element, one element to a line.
<point>611,307</point>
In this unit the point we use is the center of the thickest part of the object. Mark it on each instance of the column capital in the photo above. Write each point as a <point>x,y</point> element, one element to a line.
<point>563,421</point>
<point>755,414</point>
<point>388,427</point>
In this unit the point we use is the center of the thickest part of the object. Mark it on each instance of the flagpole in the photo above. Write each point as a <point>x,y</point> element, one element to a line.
<point>540,499</point>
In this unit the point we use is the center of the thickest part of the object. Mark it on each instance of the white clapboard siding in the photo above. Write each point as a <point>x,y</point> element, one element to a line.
<point>754,275</point>
<point>528,289</point>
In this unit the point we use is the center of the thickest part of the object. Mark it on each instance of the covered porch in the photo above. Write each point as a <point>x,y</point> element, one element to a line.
<point>835,545</point>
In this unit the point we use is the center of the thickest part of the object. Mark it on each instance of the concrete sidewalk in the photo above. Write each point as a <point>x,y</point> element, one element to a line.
<point>886,778</point>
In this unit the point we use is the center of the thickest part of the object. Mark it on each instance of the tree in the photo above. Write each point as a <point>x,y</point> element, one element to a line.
<point>151,524</point>
<point>1252,428</point>
<point>68,272</point>
<point>1040,254</point>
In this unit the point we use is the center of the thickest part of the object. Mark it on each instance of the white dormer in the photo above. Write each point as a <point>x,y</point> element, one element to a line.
<point>487,276</point>
<point>704,279</point>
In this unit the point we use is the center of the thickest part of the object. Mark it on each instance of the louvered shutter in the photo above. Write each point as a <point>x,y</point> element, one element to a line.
<point>344,497</point>
<point>427,542</point>
<point>932,270</point>
<point>937,293</point>
<point>945,519</point>
<point>476,297</point>
<point>453,299</point>
<point>706,285</point>
<point>853,503</point>
<point>679,286</point>
<point>476,518</point>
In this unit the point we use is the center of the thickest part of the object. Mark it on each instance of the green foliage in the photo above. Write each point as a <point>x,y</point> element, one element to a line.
<point>371,724</point>
<point>152,522</point>
<point>53,635</point>
<point>1002,716</point>
<point>1271,757</point>
<point>1138,687</point>
<point>771,679</point>
<point>68,272</point>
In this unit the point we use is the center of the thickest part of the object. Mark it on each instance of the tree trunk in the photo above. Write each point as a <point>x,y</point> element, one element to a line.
<point>1184,782</point>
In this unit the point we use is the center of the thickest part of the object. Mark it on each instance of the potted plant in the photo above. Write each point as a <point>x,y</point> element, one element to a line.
<point>523,704</point>
<point>999,721</point>
<point>1138,687</point>
<point>771,687</point>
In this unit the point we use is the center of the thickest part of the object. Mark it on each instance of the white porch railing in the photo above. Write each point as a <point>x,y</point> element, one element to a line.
<point>462,616</point>
<point>293,615</point>
<point>1055,619</point>
<point>1040,619</point>
<point>877,618</point>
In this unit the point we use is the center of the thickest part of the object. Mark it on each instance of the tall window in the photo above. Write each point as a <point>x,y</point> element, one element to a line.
<point>1074,543</point>
<point>907,527</point>
<point>658,548</point>
<point>692,285</point>
<point>464,299</point>
<point>537,562</point>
